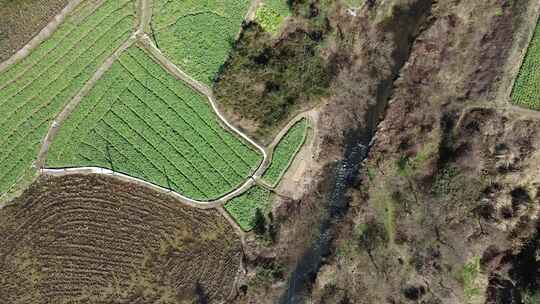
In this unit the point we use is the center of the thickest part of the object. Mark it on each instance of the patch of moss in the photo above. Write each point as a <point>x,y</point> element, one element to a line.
<point>470,278</point>
<point>271,14</point>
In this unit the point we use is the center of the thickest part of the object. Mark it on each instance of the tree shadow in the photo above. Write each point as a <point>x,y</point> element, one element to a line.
<point>202,298</point>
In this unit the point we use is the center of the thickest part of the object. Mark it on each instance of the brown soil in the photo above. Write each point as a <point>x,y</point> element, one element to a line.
<point>20,20</point>
<point>452,176</point>
<point>367,58</point>
<point>95,239</point>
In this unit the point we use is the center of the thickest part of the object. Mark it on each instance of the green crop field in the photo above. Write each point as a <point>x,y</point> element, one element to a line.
<point>141,121</point>
<point>526,91</point>
<point>271,14</point>
<point>243,207</point>
<point>285,151</point>
<point>34,90</point>
<point>197,35</point>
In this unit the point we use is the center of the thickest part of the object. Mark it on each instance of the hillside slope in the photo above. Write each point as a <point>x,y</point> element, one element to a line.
<point>448,192</point>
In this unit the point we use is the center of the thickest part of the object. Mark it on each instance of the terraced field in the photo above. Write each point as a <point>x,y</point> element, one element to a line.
<point>526,91</point>
<point>34,90</point>
<point>197,35</point>
<point>97,93</point>
<point>141,121</point>
<point>95,239</point>
<point>243,207</point>
<point>285,151</point>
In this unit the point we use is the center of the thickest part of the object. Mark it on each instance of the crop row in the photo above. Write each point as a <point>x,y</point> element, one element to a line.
<point>197,34</point>
<point>285,152</point>
<point>198,110</point>
<point>526,91</point>
<point>141,121</point>
<point>243,208</point>
<point>34,90</point>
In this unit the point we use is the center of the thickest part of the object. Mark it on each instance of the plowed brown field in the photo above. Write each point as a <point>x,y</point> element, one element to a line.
<point>20,20</point>
<point>95,239</point>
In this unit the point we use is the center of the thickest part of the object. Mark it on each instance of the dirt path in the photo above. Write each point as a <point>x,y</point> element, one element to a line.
<point>70,107</point>
<point>139,36</point>
<point>145,13</point>
<point>130,179</point>
<point>205,90</point>
<point>45,33</point>
<point>275,142</point>
<point>250,15</point>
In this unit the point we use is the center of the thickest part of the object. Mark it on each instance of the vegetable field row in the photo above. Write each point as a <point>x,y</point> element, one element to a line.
<point>34,90</point>
<point>141,121</point>
<point>285,152</point>
<point>526,91</point>
<point>197,35</point>
<point>243,207</point>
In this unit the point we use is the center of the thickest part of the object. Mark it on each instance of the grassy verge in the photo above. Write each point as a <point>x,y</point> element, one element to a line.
<point>472,280</point>
<point>244,207</point>
<point>285,151</point>
<point>271,14</point>
<point>526,91</point>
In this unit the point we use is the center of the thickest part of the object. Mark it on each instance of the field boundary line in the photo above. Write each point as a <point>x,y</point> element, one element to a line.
<point>156,53</point>
<point>277,139</point>
<point>252,11</point>
<point>127,178</point>
<point>145,16</point>
<point>242,235</point>
<point>146,43</point>
<point>44,34</point>
<point>239,231</point>
<point>74,102</point>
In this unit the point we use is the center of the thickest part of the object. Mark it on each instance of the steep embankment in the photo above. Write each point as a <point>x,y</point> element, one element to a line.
<point>450,188</point>
<point>366,54</point>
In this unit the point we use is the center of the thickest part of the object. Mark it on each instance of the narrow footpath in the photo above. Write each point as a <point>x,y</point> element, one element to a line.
<point>141,38</point>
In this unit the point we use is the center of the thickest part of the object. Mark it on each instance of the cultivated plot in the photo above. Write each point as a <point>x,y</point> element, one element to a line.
<point>526,91</point>
<point>34,90</point>
<point>95,239</point>
<point>285,151</point>
<point>197,35</point>
<point>244,207</point>
<point>141,121</point>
